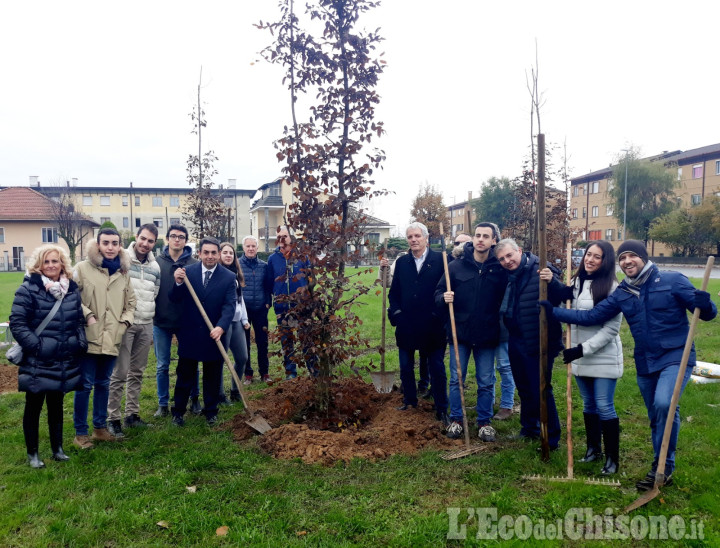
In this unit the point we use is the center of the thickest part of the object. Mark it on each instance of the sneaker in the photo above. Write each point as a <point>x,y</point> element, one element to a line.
<point>503,414</point>
<point>486,433</point>
<point>195,407</point>
<point>133,421</point>
<point>178,421</point>
<point>114,428</point>
<point>648,482</point>
<point>212,421</point>
<point>102,434</point>
<point>83,442</point>
<point>248,380</point>
<point>290,376</point>
<point>454,431</point>
<point>163,411</point>
<point>266,379</point>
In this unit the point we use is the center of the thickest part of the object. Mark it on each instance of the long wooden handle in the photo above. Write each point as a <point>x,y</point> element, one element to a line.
<point>219,344</point>
<point>384,278</point>
<point>660,475</point>
<point>451,311</point>
<point>568,387</point>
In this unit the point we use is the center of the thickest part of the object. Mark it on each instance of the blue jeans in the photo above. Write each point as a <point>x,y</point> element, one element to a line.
<point>656,389</point>
<point>436,368</point>
<point>484,375</point>
<point>507,384</point>
<point>162,339</point>
<point>235,341</point>
<point>598,396</point>
<point>95,373</point>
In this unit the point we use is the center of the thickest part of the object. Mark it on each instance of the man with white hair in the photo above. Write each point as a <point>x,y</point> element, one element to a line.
<point>258,298</point>
<point>417,325</point>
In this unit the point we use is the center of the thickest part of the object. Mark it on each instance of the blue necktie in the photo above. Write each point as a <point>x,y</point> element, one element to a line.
<point>207,278</point>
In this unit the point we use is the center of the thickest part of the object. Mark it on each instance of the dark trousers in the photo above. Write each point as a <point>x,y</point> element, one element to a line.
<point>436,366</point>
<point>186,375</point>
<point>424,371</point>
<point>526,373</point>
<point>31,419</point>
<point>258,320</point>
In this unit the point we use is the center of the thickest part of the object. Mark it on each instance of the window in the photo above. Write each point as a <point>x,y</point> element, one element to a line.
<point>157,201</point>
<point>697,171</point>
<point>174,201</point>
<point>373,238</point>
<point>609,234</point>
<point>595,187</point>
<point>158,222</point>
<point>595,211</point>
<point>274,190</point>
<point>584,212</point>
<point>137,201</point>
<point>126,222</point>
<point>610,185</point>
<point>124,200</point>
<point>104,220</point>
<point>609,210</point>
<point>695,199</point>
<point>576,190</point>
<point>138,224</point>
<point>679,174</point>
<point>49,235</point>
<point>174,220</point>
<point>228,202</point>
<point>2,235</point>
<point>104,200</point>
<point>574,213</point>
<point>595,234</point>
<point>717,167</point>
<point>87,200</point>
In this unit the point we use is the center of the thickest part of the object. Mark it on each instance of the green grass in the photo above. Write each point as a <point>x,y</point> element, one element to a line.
<point>114,495</point>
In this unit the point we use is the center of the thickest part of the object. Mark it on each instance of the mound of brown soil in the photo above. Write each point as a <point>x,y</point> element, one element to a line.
<point>8,378</point>
<point>363,424</point>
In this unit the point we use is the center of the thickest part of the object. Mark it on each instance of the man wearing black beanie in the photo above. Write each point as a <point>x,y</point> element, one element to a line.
<point>655,304</point>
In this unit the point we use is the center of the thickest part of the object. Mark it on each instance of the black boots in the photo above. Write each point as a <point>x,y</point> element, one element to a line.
<point>34,460</point>
<point>592,430</point>
<point>611,435</point>
<point>56,434</point>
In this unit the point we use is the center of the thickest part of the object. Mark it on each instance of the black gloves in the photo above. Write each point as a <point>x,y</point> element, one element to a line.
<point>566,293</point>
<point>547,305</point>
<point>572,354</point>
<point>702,299</point>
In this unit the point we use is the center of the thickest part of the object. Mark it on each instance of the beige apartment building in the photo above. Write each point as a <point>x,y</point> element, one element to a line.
<point>591,208</point>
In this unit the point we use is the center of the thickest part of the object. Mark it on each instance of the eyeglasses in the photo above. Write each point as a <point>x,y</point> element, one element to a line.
<point>457,243</point>
<point>177,236</point>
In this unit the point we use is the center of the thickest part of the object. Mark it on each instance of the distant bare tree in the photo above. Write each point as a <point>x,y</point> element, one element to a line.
<point>72,225</point>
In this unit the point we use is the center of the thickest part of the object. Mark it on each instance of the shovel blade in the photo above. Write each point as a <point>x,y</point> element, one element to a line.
<point>259,424</point>
<point>383,381</point>
<point>644,499</point>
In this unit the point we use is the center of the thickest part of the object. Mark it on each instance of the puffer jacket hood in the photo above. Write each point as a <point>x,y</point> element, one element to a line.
<point>96,258</point>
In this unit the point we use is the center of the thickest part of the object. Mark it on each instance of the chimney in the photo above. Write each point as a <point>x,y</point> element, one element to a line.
<point>232,183</point>
<point>34,180</point>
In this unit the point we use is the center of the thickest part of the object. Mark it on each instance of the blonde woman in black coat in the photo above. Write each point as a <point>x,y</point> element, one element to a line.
<point>49,367</point>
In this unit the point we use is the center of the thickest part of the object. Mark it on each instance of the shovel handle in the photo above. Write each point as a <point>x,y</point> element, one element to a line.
<point>226,358</point>
<point>383,277</point>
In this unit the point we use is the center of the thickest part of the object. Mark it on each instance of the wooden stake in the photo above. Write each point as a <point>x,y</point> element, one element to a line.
<point>542,255</point>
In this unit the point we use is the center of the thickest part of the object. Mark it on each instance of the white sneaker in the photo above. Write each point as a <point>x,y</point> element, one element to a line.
<point>487,433</point>
<point>454,431</point>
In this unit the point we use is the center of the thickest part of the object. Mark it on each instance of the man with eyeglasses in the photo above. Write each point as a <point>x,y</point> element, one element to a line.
<point>166,322</point>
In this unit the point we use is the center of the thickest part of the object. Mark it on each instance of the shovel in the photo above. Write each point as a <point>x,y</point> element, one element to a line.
<point>256,422</point>
<point>660,473</point>
<point>383,380</point>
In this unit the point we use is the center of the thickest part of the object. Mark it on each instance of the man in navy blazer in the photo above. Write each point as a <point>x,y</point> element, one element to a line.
<point>417,324</point>
<point>215,288</point>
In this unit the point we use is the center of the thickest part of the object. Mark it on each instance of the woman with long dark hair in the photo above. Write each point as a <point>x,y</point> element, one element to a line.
<point>596,352</point>
<point>50,364</point>
<point>235,340</point>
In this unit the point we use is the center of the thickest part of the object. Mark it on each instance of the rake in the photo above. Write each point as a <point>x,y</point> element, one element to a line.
<point>568,398</point>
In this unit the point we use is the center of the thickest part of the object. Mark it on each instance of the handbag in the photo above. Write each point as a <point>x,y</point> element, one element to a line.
<point>15,354</point>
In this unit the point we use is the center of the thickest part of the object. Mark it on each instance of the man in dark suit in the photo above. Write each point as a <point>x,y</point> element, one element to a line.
<point>215,288</point>
<point>417,326</point>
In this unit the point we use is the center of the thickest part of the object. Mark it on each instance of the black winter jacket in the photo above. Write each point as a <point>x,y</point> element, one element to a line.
<point>168,313</point>
<point>258,284</point>
<point>50,361</point>
<point>521,313</point>
<point>479,291</point>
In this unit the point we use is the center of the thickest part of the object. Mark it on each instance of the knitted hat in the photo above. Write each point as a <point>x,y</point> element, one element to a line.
<point>633,246</point>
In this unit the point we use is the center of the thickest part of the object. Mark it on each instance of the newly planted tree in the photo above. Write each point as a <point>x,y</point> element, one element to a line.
<point>329,165</point>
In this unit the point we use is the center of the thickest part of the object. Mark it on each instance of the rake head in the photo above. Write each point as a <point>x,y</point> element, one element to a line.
<point>460,453</point>
<point>587,481</point>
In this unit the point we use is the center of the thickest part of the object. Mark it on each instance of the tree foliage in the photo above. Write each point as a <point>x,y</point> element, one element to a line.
<point>329,165</point>
<point>428,208</point>
<point>495,202</point>
<point>203,211</point>
<point>72,225</point>
<point>650,193</point>
<point>690,232</point>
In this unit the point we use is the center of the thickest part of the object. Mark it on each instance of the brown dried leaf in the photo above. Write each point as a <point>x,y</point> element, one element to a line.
<point>191,488</point>
<point>301,533</point>
<point>164,524</point>
<point>222,531</point>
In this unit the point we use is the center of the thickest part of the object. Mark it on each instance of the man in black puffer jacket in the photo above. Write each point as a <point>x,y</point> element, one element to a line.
<point>521,315</point>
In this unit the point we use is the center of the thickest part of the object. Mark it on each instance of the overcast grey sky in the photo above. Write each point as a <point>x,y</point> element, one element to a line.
<point>102,91</point>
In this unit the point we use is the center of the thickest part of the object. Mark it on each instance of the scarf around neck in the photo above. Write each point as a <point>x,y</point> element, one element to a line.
<point>112,265</point>
<point>633,285</point>
<point>57,289</point>
<point>508,305</point>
